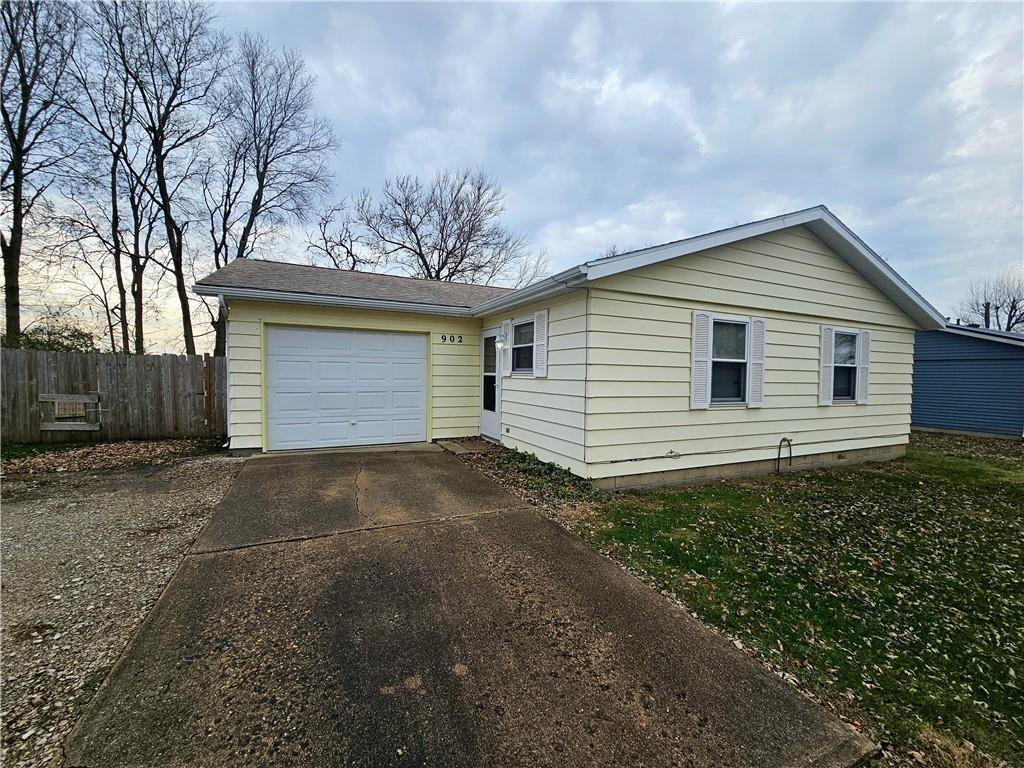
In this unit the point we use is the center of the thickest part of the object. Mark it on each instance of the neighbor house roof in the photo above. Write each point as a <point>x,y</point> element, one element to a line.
<point>989,334</point>
<point>281,281</point>
<point>276,281</point>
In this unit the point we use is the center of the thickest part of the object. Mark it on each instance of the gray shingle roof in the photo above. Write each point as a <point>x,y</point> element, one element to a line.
<point>325,281</point>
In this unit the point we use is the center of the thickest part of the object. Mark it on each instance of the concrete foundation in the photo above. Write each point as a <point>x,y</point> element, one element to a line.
<point>749,468</point>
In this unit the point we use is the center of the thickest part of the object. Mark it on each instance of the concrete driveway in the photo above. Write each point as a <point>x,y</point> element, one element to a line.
<point>378,609</point>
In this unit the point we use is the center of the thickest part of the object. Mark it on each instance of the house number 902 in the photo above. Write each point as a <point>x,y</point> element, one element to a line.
<point>450,338</point>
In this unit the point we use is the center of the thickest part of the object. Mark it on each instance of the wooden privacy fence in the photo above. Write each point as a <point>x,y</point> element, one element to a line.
<point>59,397</point>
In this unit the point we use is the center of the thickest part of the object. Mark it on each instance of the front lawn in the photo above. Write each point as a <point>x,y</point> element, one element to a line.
<point>893,593</point>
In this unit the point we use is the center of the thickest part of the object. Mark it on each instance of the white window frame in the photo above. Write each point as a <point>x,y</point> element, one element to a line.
<point>712,403</point>
<point>856,333</point>
<point>530,320</point>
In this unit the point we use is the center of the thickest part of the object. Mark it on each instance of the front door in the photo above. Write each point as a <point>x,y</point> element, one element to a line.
<point>490,383</point>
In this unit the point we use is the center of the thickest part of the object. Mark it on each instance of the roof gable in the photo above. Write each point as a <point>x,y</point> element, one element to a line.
<point>819,220</point>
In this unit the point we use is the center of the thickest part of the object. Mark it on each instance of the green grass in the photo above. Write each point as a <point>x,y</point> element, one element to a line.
<point>894,592</point>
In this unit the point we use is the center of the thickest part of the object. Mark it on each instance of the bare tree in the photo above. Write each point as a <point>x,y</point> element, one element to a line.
<point>446,229</point>
<point>175,61</point>
<point>997,301</point>
<point>40,39</point>
<point>274,153</point>
<point>338,240</point>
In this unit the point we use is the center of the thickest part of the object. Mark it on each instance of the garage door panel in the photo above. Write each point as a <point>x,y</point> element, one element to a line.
<point>288,369</point>
<point>408,372</point>
<point>294,341</point>
<point>406,429</point>
<point>409,345</point>
<point>373,431</point>
<point>334,401</point>
<point>406,400</point>
<point>372,401</point>
<point>334,343</point>
<point>333,432</point>
<point>334,371</point>
<point>330,388</point>
<point>292,404</point>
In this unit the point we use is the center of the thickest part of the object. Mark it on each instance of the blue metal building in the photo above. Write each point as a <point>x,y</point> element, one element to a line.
<point>969,380</point>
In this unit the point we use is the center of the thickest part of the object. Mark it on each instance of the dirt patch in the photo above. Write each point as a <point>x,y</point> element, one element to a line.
<point>85,555</point>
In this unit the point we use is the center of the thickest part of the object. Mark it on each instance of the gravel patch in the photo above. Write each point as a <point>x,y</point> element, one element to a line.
<point>85,556</point>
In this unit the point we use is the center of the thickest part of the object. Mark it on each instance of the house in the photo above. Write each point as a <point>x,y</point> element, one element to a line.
<point>969,379</point>
<point>692,359</point>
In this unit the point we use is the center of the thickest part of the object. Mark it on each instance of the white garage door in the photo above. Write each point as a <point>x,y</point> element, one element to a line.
<point>328,388</point>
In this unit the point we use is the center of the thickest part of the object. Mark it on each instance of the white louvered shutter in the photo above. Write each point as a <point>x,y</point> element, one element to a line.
<point>700,361</point>
<point>863,364</point>
<point>506,353</point>
<point>755,368</point>
<point>540,343</point>
<point>827,360</point>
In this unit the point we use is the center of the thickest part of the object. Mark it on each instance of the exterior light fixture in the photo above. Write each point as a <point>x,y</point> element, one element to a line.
<point>500,341</point>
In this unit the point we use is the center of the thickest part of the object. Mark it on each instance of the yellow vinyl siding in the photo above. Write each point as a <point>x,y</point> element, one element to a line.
<point>453,392</point>
<point>545,416</point>
<point>638,377</point>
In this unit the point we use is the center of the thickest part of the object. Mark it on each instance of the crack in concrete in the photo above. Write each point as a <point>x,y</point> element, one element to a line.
<point>359,474</point>
<point>350,531</point>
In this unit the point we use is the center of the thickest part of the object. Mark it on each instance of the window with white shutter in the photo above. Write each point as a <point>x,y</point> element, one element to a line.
<point>700,360</point>
<point>825,379</point>
<point>727,361</point>
<point>755,368</point>
<point>845,355</point>
<point>863,360</point>
<point>540,343</point>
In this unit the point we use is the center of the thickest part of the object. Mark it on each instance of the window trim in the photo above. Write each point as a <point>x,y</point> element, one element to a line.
<point>856,333</point>
<point>529,320</point>
<point>738,402</point>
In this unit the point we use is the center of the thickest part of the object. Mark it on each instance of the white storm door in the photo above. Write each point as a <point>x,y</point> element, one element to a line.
<point>331,388</point>
<point>490,386</point>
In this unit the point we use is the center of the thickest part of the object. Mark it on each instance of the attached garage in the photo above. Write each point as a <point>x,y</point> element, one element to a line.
<point>330,388</point>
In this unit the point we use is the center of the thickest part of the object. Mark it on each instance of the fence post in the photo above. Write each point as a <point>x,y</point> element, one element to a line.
<point>208,393</point>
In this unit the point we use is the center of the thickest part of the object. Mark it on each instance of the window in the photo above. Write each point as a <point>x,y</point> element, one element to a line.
<point>729,362</point>
<point>844,367</point>
<point>490,380</point>
<point>522,347</point>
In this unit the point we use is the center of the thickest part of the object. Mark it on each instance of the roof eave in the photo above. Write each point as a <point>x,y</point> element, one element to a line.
<point>292,297</point>
<point>973,333</point>
<point>547,288</point>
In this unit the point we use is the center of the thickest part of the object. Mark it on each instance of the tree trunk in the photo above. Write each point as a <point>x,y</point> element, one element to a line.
<point>176,245</point>
<point>178,259</point>
<point>140,346</point>
<point>115,234</point>
<point>12,260</point>
<point>220,328</point>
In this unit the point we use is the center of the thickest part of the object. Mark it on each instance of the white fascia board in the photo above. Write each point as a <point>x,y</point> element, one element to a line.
<point>624,262</point>
<point>547,288</point>
<point>288,297</point>
<point>845,242</point>
<point>823,223</point>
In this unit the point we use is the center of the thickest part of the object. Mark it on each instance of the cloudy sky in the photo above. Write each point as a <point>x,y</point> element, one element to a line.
<point>634,124</point>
